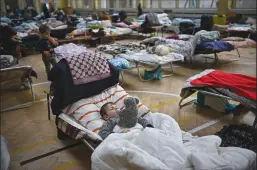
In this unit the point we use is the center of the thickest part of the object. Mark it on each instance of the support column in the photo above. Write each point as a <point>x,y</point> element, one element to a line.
<point>223,7</point>
<point>198,3</point>
<point>127,4</point>
<point>134,4</point>
<point>3,9</point>
<point>117,2</point>
<point>103,3</point>
<point>159,3</point>
<point>36,5</point>
<point>177,3</point>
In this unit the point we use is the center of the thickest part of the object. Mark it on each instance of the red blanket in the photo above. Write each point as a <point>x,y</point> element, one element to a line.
<point>239,84</point>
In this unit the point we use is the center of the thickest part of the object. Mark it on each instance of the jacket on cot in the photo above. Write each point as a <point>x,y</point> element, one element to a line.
<point>66,93</point>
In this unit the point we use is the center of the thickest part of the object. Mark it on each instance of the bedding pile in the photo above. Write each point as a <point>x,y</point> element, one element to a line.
<point>69,50</point>
<point>167,147</point>
<point>145,57</point>
<point>244,92</point>
<point>108,31</point>
<point>88,67</point>
<point>247,43</point>
<point>184,48</point>
<point>243,86</point>
<point>162,18</point>
<point>159,54</point>
<point>116,48</point>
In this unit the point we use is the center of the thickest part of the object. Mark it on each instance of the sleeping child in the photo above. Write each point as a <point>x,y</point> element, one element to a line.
<point>117,121</point>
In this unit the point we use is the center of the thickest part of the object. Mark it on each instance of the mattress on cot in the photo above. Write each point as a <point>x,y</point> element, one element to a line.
<point>238,27</point>
<point>87,111</point>
<point>247,43</point>
<point>152,59</point>
<point>190,88</point>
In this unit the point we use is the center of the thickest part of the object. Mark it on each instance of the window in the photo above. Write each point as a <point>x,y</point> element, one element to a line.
<point>111,3</point>
<point>168,3</point>
<point>87,3</point>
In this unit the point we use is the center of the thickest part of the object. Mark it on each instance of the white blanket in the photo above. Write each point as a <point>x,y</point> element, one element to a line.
<point>147,58</point>
<point>164,148</point>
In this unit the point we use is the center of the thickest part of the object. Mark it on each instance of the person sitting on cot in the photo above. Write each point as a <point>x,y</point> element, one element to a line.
<point>122,120</point>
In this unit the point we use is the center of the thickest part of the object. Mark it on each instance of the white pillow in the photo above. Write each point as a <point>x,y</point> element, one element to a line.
<point>60,27</point>
<point>86,111</point>
<point>142,17</point>
<point>106,23</point>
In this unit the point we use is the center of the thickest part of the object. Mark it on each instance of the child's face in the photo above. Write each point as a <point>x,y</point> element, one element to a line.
<point>111,111</point>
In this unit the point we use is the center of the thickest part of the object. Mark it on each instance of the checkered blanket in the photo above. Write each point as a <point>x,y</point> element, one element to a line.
<point>88,67</point>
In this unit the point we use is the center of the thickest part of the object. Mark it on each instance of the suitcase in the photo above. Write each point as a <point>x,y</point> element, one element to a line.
<point>219,19</point>
<point>206,22</point>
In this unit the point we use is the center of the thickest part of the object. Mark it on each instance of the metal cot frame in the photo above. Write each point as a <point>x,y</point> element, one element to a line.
<point>17,72</point>
<point>212,94</point>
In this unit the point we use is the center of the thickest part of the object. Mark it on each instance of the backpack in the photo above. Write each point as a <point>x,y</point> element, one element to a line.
<point>152,19</point>
<point>206,22</point>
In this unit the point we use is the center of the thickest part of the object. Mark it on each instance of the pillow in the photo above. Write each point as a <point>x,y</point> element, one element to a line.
<point>106,23</point>
<point>233,39</point>
<point>185,36</point>
<point>141,17</point>
<point>134,25</point>
<point>60,27</point>
<point>86,111</point>
<point>73,129</point>
<point>120,63</point>
<point>121,24</point>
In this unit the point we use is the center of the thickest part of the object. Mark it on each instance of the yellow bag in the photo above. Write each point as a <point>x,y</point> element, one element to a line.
<point>219,19</point>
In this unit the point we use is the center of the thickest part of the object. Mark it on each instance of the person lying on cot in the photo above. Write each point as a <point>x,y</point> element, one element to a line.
<point>121,121</point>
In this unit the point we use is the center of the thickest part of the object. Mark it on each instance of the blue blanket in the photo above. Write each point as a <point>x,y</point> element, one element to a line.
<point>216,46</point>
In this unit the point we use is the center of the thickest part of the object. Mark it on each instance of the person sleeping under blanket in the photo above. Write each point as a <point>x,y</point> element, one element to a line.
<point>123,121</point>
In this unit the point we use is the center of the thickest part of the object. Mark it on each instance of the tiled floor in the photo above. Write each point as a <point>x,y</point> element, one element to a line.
<point>30,134</point>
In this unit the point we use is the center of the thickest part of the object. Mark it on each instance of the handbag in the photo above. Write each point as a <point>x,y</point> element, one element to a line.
<point>155,74</point>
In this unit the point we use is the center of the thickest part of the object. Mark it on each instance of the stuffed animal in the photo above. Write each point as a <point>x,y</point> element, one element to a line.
<point>127,117</point>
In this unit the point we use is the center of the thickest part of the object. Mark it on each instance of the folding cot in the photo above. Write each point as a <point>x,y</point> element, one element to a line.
<point>222,90</point>
<point>19,72</point>
<point>79,118</point>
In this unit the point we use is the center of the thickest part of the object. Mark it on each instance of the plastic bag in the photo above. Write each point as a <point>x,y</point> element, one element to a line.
<point>155,74</point>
